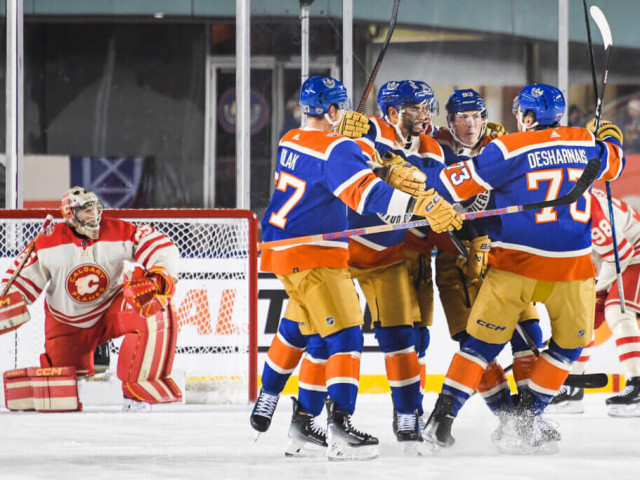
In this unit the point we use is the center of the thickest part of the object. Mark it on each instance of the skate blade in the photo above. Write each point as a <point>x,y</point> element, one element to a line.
<point>624,411</point>
<point>346,453</point>
<point>305,450</point>
<point>508,445</point>
<point>565,407</point>
<point>418,449</point>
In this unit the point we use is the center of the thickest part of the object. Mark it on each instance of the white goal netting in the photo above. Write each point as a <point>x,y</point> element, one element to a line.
<point>214,301</point>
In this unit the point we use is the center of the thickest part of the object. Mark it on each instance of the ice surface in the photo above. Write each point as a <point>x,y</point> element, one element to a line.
<point>202,442</point>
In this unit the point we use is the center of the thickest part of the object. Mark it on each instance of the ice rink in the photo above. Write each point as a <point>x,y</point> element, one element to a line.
<point>201,442</point>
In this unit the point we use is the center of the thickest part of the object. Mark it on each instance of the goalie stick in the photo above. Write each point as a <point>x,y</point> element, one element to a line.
<point>383,50</point>
<point>588,176</point>
<point>47,221</point>
<point>605,33</point>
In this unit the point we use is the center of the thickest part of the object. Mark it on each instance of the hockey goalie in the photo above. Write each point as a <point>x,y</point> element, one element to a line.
<point>89,299</point>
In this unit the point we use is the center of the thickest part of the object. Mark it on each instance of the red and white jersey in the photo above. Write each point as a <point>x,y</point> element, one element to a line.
<point>627,223</point>
<point>80,276</point>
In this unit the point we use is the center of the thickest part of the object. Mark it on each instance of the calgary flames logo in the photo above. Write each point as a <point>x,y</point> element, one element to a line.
<point>87,283</point>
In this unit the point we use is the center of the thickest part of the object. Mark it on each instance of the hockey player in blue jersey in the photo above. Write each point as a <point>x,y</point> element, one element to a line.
<point>458,279</point>
<point>538,256</point>
<point>319,174</point>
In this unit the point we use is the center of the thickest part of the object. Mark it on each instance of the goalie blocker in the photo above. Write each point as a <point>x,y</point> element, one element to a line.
<point>13,312</point>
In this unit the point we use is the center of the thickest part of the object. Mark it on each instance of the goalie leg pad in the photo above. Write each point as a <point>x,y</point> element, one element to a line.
<point>42,389</point>
<point>146,356</point>
<point>13,312</point>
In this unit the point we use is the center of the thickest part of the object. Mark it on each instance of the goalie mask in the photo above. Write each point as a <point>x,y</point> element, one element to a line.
<point>82,211</point>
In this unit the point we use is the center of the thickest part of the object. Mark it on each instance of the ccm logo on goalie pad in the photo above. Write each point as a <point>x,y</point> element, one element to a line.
<point>42,389</point>
<point>490,326</point>
<point>13,312</point>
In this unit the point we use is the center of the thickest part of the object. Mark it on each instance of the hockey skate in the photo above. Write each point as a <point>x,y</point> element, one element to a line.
<point>308,438</point>
<point>263,412</point>
<point>524,433</point>
<point>627,403</point>
<point>567,400</point>
<point>406,427</point>
<point>437,432</point>
<point>344,441</point>
<point>130,405</point>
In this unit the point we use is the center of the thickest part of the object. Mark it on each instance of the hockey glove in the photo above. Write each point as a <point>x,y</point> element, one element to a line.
<point>475,266</point>
<point>142,293</point>
<point>495,130</point>
<point>606,129</point>
<point>13,312</point>
<point>407,179</point>
<point>353,124</point>
<point>440,213</point>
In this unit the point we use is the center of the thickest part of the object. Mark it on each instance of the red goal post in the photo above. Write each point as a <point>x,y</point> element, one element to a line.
<point>216,297</point>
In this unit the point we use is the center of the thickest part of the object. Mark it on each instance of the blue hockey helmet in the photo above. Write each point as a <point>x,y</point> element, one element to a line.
<point>546,102</point>
<point>397,94</point>
<point>465,101</point>
<point>317,94</point>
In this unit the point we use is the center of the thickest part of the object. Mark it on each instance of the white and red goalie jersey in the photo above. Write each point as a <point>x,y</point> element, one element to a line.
<point>80,276</point>
<point>627,223</point>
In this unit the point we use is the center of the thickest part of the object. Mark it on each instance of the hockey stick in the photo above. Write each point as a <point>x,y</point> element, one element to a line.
<point>588,176</point>
<point>383,50</point>
<point>27,254</point>
<point>605,33</point>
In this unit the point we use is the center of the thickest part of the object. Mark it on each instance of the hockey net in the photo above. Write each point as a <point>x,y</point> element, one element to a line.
<point>215,300</point>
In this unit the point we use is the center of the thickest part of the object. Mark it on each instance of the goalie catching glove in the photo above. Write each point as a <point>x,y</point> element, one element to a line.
<point>475,265</point>
<point>606,129</point>
<point>440,213</point>
<point>353,124</point>
<point>149,292</point>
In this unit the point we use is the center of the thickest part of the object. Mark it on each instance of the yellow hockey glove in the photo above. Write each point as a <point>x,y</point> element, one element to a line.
<point>495,130</point>
<point>440,213</point>
<point>353,124</point>
<point>475,266</point>
<point>606,129</point>
<point>405,178</point>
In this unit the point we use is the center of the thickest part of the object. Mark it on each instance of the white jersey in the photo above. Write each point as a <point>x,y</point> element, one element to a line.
<point>627,222</point>
<point>81,277</point>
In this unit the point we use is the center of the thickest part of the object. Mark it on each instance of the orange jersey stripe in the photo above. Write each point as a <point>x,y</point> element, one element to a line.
<point>614,161</point>
<point>522,367</point>
<point>343,365</point>
<point>402,367</point>
<point>284,356</point>
<point>354,193</point>
<point>492,377</point>
<point>318,141</point>
<point>510,144</point>
<point>303,257</point>
<point>547,377</point>
<point>312,373</point>
<point>465,372</point>
<point>462,181</point>
<point>542,268</point>
<point>364,257</point>
<point>416,244</point>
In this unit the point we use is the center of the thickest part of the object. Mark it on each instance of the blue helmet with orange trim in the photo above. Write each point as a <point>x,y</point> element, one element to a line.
<point>317,94</point>
<point>545,102</point>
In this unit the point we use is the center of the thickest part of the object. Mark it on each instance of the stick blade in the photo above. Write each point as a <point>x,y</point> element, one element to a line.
<point>603,25</point>
<point>588,380</point>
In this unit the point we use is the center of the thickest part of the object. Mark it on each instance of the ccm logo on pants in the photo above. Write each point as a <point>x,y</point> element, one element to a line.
<point>490,326</point>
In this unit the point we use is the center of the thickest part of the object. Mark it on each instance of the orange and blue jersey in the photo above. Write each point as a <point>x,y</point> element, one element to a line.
<point>319,174</point>
<point>386,248</point>
<point>551,244</point>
